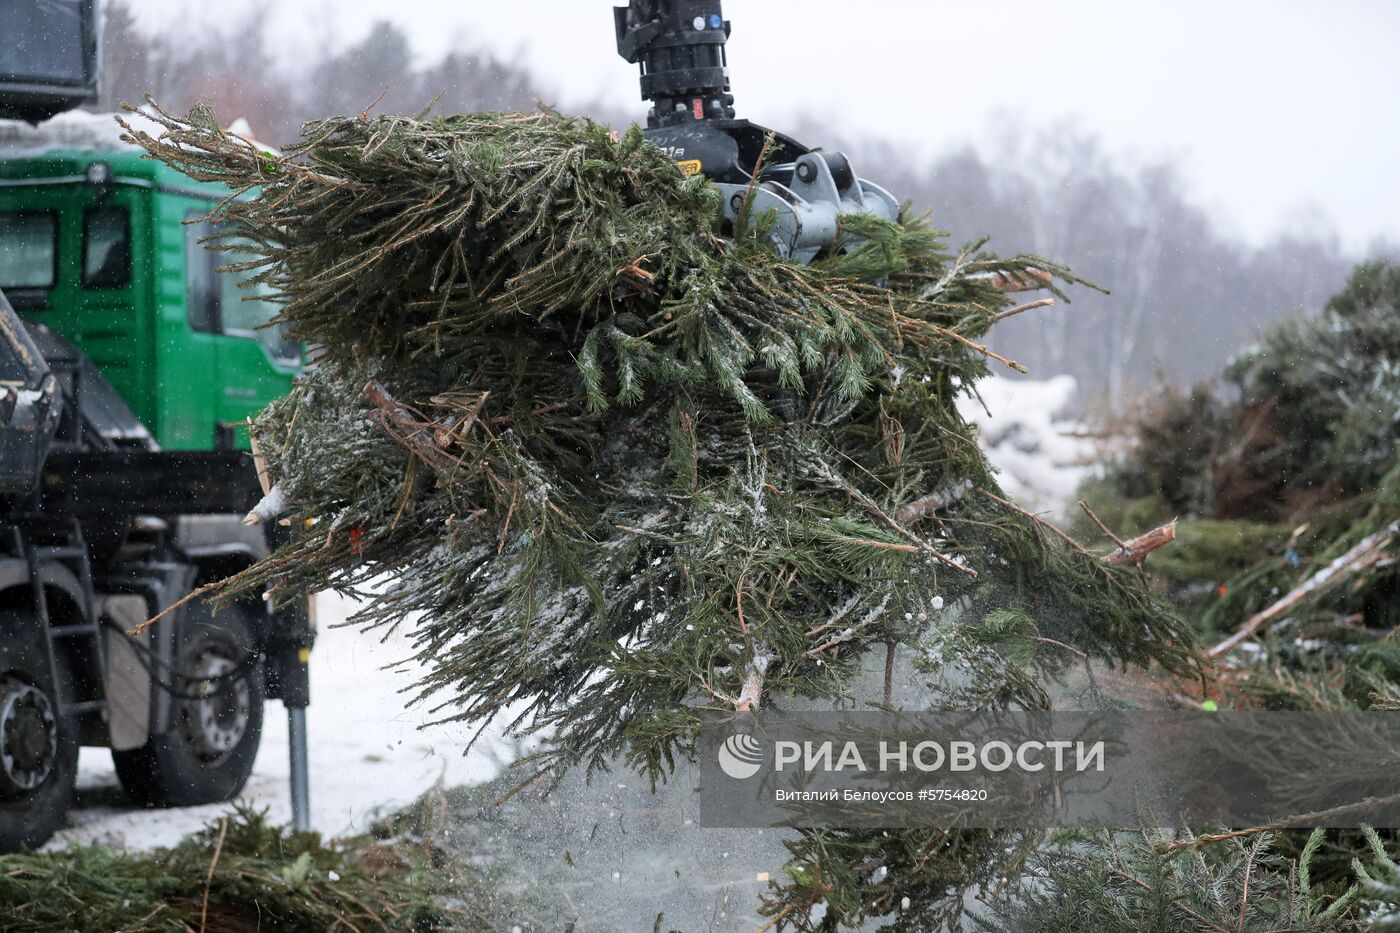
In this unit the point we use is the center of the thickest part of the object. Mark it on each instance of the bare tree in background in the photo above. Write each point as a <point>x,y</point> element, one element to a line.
<point>478,81</point>
<point>351,81</point>
<point>234,69</point>
<point>1185,297</point>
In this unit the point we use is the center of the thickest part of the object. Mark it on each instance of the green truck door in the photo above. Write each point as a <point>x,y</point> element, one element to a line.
<point>233,365</point>
<point>189,377</point>
<point>254,361</point>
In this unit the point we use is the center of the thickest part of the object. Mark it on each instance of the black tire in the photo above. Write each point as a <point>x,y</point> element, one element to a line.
<point>208,751</point>
<point>30,816</point>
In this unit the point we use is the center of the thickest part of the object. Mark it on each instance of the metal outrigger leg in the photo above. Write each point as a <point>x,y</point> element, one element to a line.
<point>301,791</point>
<point>288,645</point>
<point>293,636</point>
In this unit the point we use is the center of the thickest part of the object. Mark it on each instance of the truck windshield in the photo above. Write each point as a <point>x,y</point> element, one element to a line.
<point>43,41</point>
<point>28,250</point>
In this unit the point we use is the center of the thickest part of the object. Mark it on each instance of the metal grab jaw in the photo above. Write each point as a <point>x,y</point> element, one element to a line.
<point>680,48</point>
<point>809,197</point>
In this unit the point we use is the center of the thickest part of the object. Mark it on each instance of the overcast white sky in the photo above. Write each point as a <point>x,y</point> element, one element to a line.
<point>1273,107</point>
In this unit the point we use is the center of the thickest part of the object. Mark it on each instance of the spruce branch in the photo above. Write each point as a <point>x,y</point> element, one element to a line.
<point>624,471</point>
<point>1124,882</point>
<point>1134,552</point>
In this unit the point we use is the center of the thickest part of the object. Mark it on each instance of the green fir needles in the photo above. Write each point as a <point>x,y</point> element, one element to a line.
<point>615,464</point>
<point>242,875</point>
<point>1146,880</point>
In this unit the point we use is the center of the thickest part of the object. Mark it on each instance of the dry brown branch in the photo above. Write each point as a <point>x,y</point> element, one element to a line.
<point>980,348</point>
<point>845,636</point>
<point>408,427</point>
<point>187,598</point>
<point>777,919</point>
<point>752,695</point>
<point>890,648</point>
<point>259,461</point>
<point>1059,644</point>
<point>1029,281</point>
<point>1042,523</point>
<point>1363,555</point>
<point>364,114</point>
<point>635,271</point>
<point>1020,309</point>
<point>1108,533</point>
<point>1287,822</point>
<point>921,507</point>
<point>209,878</point>
<point>1132,552</point>
<point>882,545</point>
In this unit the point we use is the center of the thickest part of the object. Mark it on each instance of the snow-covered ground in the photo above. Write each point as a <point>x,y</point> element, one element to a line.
<point>368,755</point>
<point>1040,453</point>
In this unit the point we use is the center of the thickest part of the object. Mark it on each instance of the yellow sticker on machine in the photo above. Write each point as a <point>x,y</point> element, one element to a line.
<point>690,167</point>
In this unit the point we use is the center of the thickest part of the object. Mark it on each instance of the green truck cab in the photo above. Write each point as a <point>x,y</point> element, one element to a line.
<point>104,248</point>
<point>129,367</point>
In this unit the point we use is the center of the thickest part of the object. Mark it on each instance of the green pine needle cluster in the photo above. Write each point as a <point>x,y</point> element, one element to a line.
<point>1305,420</point>
<point>911,881</point>
<point>1378,880</point>
<point>1327,389</point>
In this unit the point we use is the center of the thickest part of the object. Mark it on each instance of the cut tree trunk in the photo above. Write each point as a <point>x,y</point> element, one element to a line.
<point>1134,552</point>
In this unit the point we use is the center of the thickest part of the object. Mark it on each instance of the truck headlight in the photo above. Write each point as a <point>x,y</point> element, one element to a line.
<point>99,174</point>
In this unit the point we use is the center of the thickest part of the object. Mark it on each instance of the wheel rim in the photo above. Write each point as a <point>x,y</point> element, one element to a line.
<point>216,723</point>
<point>28,736</point>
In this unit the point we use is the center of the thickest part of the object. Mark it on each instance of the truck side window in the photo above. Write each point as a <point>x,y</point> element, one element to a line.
<point>248,311</point>
<point>28,250</point>
<point>106,247</point>
<point>201,284</point>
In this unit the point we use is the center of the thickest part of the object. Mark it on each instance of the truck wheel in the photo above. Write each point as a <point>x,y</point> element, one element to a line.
<point>208,751</point>
<point>38,749</point>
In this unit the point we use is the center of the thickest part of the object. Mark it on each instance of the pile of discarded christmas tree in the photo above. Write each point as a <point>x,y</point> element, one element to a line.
<point>1287,479</point>
<point>1287,556</point>
<point>241,875</point>
<point>624,466</point>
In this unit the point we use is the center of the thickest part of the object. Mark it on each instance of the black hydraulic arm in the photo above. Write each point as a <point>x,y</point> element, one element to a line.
<point>30,405</point>
<point>680,47</point>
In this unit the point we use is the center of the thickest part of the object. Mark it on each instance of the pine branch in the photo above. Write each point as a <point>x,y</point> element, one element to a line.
<point>1363,555</point>
<point>595,445</point>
